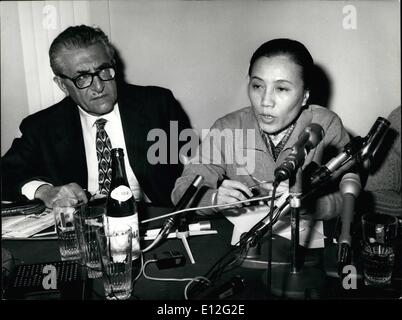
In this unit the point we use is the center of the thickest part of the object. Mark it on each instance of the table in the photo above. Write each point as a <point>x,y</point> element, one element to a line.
<point>40,251</point>
<point>207,250</point>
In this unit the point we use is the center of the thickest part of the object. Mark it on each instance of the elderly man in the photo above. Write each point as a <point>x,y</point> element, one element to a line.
<point>59,151</point>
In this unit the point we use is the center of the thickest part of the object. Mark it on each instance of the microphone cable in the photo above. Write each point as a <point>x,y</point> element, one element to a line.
<point>267,197</point>
<point>228,259</point>
<point>160,236</point>
<point>242,246</point>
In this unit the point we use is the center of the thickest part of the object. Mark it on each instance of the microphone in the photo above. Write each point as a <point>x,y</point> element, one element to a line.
<point>169,223</point>
<point>235,285</point>
<point>184,200</point>
<point>374,138</point>
<point>350,187</point>
<point>358,146</point>
<point>308,139</point>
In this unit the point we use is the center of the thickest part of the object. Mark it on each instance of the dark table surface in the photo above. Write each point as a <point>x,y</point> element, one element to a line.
<point>207,250</point>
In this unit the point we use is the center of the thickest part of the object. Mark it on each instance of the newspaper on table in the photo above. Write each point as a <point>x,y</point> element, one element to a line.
<point>25,226</point>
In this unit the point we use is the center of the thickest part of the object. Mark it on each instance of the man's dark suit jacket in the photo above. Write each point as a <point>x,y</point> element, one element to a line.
<point>51,147</point>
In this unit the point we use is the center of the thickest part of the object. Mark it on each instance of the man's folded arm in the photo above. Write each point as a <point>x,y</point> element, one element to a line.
<point>22,164</point>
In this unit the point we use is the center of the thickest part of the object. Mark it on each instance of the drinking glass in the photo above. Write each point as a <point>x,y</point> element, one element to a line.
<point>379,235</point>
<point>88,221</point>
<point>64,210</point>
<point>115,250</point>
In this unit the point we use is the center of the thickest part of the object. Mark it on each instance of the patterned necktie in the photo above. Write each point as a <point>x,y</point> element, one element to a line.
<point>103,150</point>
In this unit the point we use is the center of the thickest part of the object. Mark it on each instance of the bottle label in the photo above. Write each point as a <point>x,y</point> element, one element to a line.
<point>132,221</point>
<point>121,193</point>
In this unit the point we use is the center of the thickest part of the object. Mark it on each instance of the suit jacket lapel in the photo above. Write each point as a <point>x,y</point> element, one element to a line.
<point>134,122</point>
<point>69,144</point>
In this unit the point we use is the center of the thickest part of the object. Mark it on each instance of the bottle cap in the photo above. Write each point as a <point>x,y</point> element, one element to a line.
<point>118,152</point>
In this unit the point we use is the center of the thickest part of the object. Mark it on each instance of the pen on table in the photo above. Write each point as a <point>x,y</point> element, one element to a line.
<point>256,180</point>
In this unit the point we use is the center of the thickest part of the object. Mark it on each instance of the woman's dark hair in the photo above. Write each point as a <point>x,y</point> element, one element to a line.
<point>291,48</point>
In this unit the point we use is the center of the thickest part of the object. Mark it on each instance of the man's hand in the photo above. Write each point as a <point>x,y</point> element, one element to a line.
<point>49,194</point>
<point>232,191</point>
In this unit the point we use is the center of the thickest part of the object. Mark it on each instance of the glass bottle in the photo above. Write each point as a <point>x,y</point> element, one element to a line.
<point>121,207</point>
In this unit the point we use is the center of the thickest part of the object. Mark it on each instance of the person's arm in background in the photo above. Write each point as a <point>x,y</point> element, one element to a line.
<point>328,201</point>
<point>384,184</point>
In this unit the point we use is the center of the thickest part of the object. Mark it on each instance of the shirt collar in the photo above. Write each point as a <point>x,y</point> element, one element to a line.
<point>90,119</point>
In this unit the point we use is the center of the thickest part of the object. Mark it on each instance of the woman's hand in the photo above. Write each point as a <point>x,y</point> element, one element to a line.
<point>268,187</point>
<point>265,189</point>
<point>231,191</point>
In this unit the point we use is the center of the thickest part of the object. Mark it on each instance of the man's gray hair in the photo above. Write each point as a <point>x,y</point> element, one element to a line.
<point>74,38</point>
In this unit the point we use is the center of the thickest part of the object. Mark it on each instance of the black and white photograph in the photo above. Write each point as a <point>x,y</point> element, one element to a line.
<point>201,159</point>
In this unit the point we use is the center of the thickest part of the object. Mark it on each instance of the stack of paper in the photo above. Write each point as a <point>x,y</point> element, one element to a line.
<point>245,218</point>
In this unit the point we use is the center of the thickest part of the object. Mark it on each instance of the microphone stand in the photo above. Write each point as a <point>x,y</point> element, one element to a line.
<point>257,258</point>
<point>294,281</point>
<point>257,250</point>
<point>182,233</point>
<point>295,192</point>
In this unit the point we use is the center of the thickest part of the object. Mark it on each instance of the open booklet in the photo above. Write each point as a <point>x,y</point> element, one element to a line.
<point>25,226</point>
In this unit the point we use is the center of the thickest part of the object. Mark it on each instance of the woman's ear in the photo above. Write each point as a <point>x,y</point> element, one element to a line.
<point>61,85</point>
<point>306,96</point>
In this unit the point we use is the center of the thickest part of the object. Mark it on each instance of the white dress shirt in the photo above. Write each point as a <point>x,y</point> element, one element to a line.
<point>114,130</point>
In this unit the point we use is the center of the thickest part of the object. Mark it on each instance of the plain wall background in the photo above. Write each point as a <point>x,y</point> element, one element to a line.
<point>201,50</point>
<point>14,103</point>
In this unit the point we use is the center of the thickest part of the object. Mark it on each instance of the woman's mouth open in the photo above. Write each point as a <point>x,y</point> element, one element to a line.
<point>267,118</point>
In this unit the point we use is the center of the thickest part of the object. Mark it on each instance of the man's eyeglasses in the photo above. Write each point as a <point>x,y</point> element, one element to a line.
<point>85,80</point>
